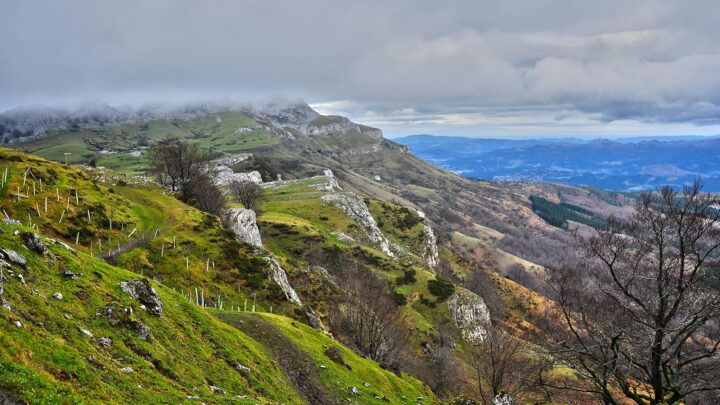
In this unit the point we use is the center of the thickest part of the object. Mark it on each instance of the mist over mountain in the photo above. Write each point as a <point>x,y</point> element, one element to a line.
<point>624,164</point>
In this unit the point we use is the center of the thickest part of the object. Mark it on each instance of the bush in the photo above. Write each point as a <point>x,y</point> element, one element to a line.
<point>441,288</point>
<point>399,299</point>
<point>408,277</point>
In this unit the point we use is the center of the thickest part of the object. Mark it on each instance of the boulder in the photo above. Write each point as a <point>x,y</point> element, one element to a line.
<point>223,174</point>
<point>141,290</point>
<point>471,316</point>
<point>58,296</point>
<point>143,331</point>
<point>13,257</point>
<point>68,274</point>
<point>242,368</point>
<point>243,223</point>
<point>33,242</point>
<point>105,342</point>
<point>10,221</point>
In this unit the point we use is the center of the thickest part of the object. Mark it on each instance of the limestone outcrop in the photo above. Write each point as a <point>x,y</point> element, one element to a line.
<point>430,252</point>
<point>354,207</point>
<point>278,275</point>
<point>223,173</point>
<point>243,223</point>
<point>142,291</point>
<point>471,316</point>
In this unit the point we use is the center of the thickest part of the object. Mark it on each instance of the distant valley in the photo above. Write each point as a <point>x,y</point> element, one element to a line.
<point>627,164</point>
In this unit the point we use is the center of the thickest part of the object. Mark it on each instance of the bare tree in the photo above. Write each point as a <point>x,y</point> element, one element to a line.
<point>176,163</point>
<point>205,195</point>
<point>442,365</point>
<point>502,368</point>
<point>370,319</point>
<point>640,318</point>
<point>480,283</point>
<point>247,192</point>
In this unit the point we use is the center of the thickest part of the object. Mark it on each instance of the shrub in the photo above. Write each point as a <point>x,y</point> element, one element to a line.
<point>441,288</point>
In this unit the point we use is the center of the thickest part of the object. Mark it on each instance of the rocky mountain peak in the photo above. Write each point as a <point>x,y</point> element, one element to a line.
<point>293,114</point>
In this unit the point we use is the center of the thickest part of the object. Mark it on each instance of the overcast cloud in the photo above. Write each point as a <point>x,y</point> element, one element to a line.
<point>487,68</point>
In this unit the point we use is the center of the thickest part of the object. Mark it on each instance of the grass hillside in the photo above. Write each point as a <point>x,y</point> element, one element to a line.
<point>299,227</point>
<point>305,352</point>
<point>183,247</point>
<point>117,146</point>
<point>485,228</point>
<point>51,351</point>
<point>54,350</point>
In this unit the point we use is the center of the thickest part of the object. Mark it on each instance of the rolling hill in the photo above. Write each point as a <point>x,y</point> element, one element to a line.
<point>342,207</point>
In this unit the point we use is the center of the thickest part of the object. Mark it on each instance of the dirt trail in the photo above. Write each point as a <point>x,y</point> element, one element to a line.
<point>297,365</point>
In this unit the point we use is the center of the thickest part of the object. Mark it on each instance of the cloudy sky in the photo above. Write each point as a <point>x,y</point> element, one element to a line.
<point>484,68</point>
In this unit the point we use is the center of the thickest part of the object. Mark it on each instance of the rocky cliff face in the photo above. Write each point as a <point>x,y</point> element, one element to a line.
<point>296,115</point>
<point>278,275</point>
<point>331,184</point>
<point>355,208</point>
<point>224,175</point>
<point>471,316</point>
<point>243,222</point>
<point>335,125</point>
<point>430,253</point>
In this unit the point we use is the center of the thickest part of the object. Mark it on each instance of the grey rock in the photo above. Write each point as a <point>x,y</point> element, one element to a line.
<point>10,221</point>
<point>223,174</point>
<point>57,296</point>
<point>18,324</point>
<point>243,223</point>
<point>330,183</point>
<point>2,280</point>
<point>242,368</point>
<point>106,342</point>
<point>471,316</point>
<point>343,237</point>
<point>503,399</point>
<point>86,332</point>
<point>279,276</point>
<point>217,390</point>
<point>430,253</point>
<point>13,257</point>
<point>313,319</point>
<point>355,208</point>
<point>143,332</point>
<point>355,391</point>
<point>68,274</point>
<point>141,290</point>
<point>33,242</point>
<point>127,370</point>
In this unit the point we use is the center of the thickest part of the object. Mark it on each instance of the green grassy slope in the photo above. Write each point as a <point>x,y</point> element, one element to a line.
<point>334,381</point>
<point>226,131</point>
<point>300,228</point>
<point>204,255</point>
<point>49,359</point>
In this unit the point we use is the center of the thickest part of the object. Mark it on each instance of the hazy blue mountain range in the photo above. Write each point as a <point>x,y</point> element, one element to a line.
<point>627,164</point>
